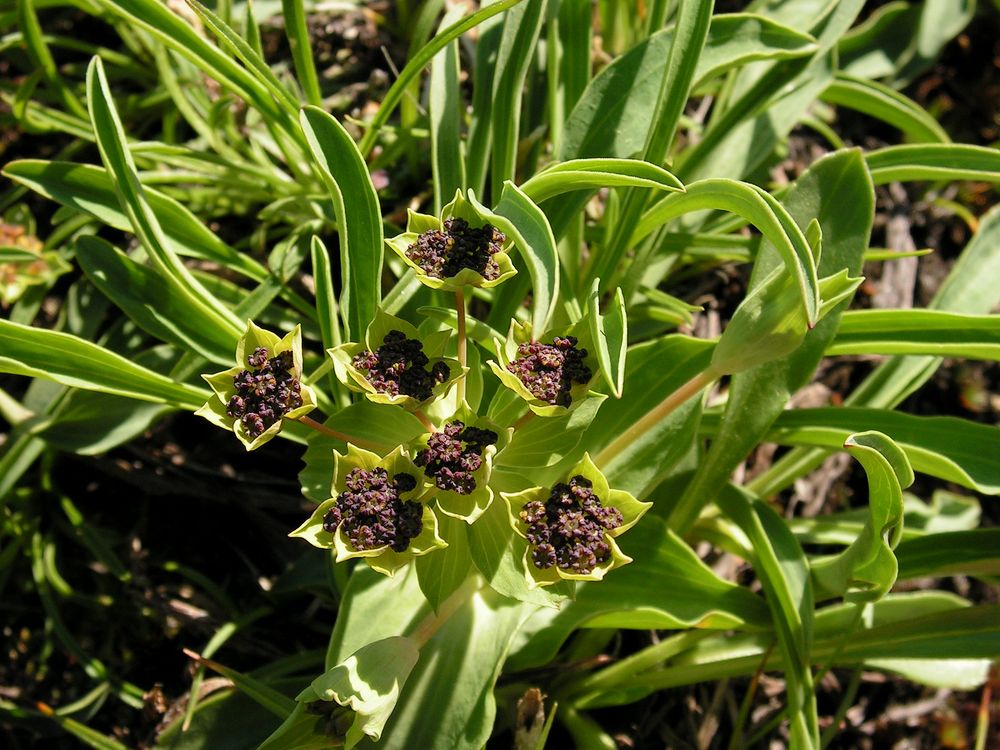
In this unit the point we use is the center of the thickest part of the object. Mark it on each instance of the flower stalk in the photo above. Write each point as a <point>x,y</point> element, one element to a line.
<point>462,342</point>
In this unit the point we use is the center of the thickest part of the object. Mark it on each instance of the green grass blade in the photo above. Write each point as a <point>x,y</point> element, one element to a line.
<point>934,332</point>
<point>445,107</point>
<point>358,216</point>
<point>934,161</point>
<point>521,28</point>
<point>956,450</point>
<point>592,174</point>
<point>72,361</point>
<point>298,39</point>
<point>118,161</point>
<point>151,301</point>
<point>886,104</point>
<point>419,61</point>
<point>781,566</point>
<point>326,301</point>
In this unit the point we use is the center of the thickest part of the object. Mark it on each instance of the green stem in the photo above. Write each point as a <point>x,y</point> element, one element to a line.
<point>342,436</point>
<point>462,344</point>
<point>427,627</point>
<point>623,672</point>
<point>425,421</point>
<point>524,419</point>
<point>654,417</point>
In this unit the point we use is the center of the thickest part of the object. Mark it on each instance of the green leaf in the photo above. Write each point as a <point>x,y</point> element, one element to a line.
<point>781,566</point>
<point>759,395</point>
<point>326,301</point>
<point>616,110</point>
<point>445,109</point>
<point>150,301</point>
<point>419,61</point>
<point>441,574</point>
<point>90,189</point>
<point>261,693</point>
<point>358,216</point>
<point>610,335</point>
<point>867,569</point>
<point>935,332</point>
<point>956,450</point>
<point>666,587</point>
<point>518,217</point>
<point>591,174</point>
<point>757,207</point>
<point>951,553</point>
<point>72,361</point>
<point>298,39</point>
<point>521,26</point>
<point>886,104</point>
<point>121,167</point>
<point>934,161</point>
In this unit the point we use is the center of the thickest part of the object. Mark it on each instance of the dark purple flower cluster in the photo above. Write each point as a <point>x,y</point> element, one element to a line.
<point>399,367</point>
<point>371,513</point>
<point>444,254</point>
<point>449,462</point>
<point>549,370</point>
<point>265,392</point>
<point>568,529</point>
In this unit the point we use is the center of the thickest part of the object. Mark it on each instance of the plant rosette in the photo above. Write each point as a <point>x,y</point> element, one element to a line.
<point>457,462</point>
<point>352,512</point>
<point>437,236</point>
<point>579,520</point>
<point>277,395</point>
<point>548,367</point>
<point>416,376</point>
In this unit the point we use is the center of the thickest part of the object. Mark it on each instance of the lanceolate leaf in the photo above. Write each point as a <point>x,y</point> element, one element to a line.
<point>89,189</point>
<point>150,301</point>
<point>936,332</point>
<point>934,161</point>
<point>867,569</point>
<point>781,566</point>
<point>975,552</point>
<point>886,104</point>
<point>956,450</point>
<point>118,161</point>
<point>73,361</point>
<point>610,334</point>
<point>358,216</point>
<point>591,174</point>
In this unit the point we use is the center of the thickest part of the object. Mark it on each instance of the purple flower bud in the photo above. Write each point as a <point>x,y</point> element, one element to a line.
<point>265,392</point>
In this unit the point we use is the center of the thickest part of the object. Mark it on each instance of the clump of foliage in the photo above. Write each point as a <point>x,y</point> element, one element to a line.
<point>509,448</point>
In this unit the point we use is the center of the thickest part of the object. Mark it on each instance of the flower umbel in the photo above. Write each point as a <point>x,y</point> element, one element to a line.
<point>570,527</point>
<point>444,253</point>
<point>550,370</point>
<point>399,367</point>
<point>267,390</point>
<point>371,512</point>
<point>567,529</point>
<point>264,387</point>
<point>463,247</point>
<point>378,511</point>
<point>397,364</point>
<point>454,454</point>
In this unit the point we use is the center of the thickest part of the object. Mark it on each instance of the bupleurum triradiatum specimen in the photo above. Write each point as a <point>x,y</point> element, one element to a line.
<point>449,462</point>
<point>399,367</point>
<point>443,254</point>
<point>265,391</point>
<point>371,513</point>
<point>568,529</point>
<point>550,370</point>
